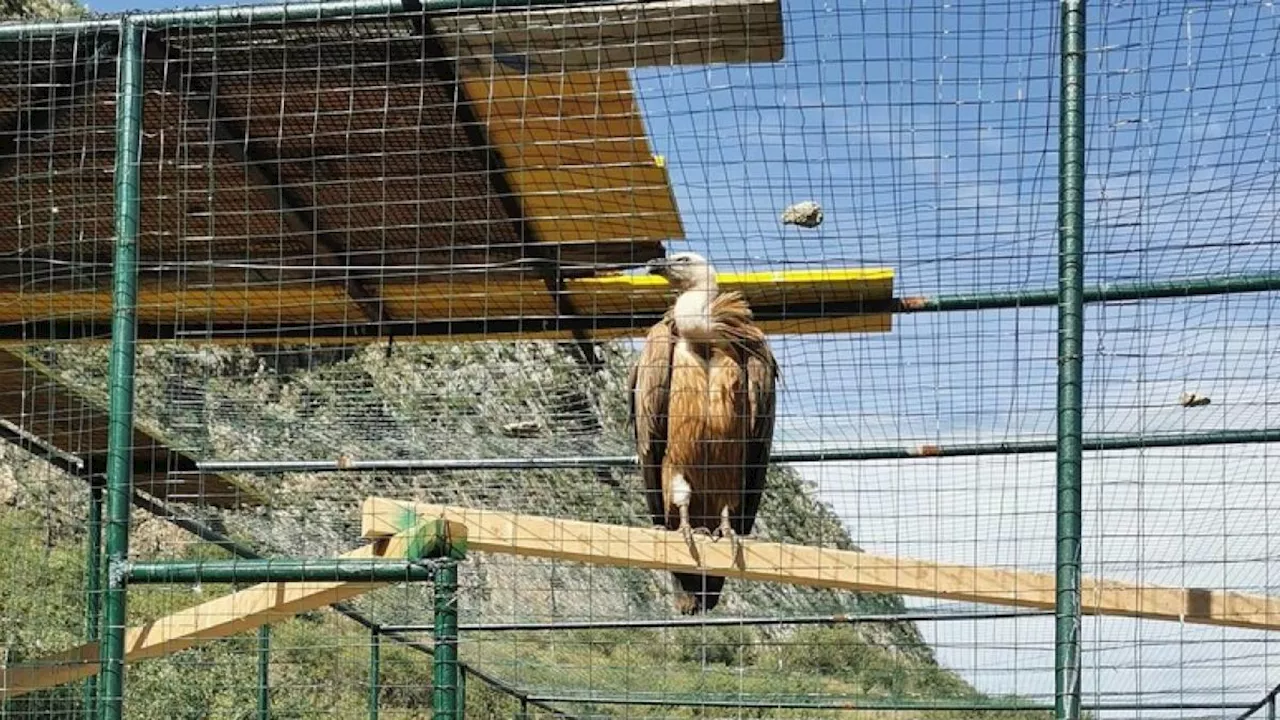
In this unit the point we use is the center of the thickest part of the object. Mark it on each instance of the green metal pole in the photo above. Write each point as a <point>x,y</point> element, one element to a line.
<point>1071,171</point>
<point>283,570</point>
<point>264,672</point>
<point>93,589</point>
<point>120,371</point>
<point>444,685</point>
<point>375,672</point>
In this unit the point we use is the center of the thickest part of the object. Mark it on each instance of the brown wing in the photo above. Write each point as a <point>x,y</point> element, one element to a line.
<point>649,386</point>
<point>762,374</point>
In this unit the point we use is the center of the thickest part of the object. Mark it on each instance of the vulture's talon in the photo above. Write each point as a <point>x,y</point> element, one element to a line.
<point>739,560</point>
<point>687,531</point>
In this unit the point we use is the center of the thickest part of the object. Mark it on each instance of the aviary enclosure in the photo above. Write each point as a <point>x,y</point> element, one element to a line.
<point>317,321</point>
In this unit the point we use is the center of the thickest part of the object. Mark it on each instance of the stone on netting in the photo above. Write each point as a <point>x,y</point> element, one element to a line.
<point>805,214</point>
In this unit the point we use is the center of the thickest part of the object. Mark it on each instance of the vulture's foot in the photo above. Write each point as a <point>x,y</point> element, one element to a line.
<point>735,543</point>
<point>686,529</point>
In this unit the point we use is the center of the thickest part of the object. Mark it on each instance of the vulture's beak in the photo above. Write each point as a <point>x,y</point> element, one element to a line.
<point>658,266</point>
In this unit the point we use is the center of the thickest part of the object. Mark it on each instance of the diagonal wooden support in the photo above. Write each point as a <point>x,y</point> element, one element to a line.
<point>619,546</point>
<point>232,614</point>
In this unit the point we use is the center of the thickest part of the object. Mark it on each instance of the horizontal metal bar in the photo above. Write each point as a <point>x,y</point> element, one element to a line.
<point>723,621</point>
<point>280,570</point>
<point>52,330</point>
<point>44,29</point>
<point>690,700</point>
<point>1095,444</point>
<point>826,703</point>
<point>1110,292</point>
<point>263,14</point>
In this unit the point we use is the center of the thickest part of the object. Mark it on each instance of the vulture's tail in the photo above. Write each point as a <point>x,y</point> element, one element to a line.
<point>698,593</point>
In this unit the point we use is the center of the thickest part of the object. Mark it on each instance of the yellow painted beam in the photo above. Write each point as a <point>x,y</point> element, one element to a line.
<point>221,617</point>
<point>619,546</point>
<point>465,299</point>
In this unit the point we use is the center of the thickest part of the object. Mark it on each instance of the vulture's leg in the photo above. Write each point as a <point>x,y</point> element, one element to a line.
<point>681,494</point>
<point>686,529</point>
<point>735,542</point>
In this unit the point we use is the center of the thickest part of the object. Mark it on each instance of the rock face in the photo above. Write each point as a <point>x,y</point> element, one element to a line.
<point>451,401</point>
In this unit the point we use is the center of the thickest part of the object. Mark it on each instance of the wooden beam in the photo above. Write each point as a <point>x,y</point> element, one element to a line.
<point>623,35</point>
<point>619,546</point>
<point>228,615</point>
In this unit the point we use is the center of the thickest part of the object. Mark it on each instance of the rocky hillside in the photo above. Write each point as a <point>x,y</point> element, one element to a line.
<point>433,401</point>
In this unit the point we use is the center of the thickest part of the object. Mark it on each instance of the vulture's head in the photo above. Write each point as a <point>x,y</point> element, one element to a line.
<point>684,270</point>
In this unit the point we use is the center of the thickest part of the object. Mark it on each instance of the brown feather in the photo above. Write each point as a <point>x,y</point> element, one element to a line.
<point>705,411</point>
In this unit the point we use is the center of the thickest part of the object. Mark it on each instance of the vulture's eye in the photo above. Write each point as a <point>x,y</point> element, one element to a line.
<point>683,260</point>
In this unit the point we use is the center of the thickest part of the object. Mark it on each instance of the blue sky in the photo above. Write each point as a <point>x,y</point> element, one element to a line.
<point>928,132</point>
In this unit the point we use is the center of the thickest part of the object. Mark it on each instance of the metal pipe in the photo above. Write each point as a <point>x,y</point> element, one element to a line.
<point>909,452</point>
<point>444,684</point>
<point>689,700</point>
<point>93,590</point>
<point>281,570</point>
<point>1070,405</point>
<point>264,672</point>
<point>661,623</point>
<point>264,14</point>
<point>1108,292</point>
<point>375,672</point>
<point>330,9</point>
<point>45,29</point>
<point>121,367</point>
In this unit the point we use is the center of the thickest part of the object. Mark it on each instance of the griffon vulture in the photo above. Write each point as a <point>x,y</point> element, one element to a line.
<point>702,409</point>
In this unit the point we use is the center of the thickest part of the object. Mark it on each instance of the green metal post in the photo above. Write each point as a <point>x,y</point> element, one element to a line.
<point>93,589</point>
<point>444,686</point>
<point>462,692</point>
<point>375,672</point>
<point>120,371</point>
<point>264,672</point>
<point>1071,170</point>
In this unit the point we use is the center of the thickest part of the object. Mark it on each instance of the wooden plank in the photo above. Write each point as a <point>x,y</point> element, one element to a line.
<point>620,35</point>
<point>619,546</point>
<point>218,618</point>
<point>576,153</point>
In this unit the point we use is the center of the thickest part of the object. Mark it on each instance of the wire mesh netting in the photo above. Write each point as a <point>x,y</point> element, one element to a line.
<point>402,254</point>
